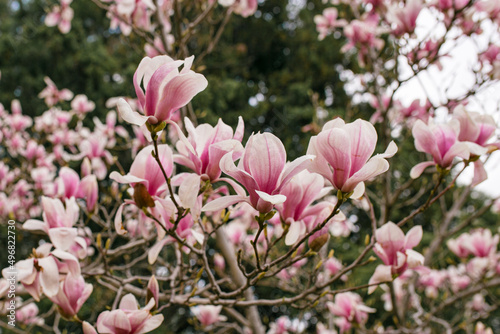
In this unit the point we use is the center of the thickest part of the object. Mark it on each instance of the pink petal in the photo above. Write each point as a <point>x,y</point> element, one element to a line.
<point>413,237</point>
<point>129,302</point>
<point>179,92</point>
<point>63,237</point>
<point>223,202</point>
<point>49,276</point>
<point>128,115</point>
<point>155,250</point>
<point>418,169</point>
<point>188,191</point>
<point>382,274</point>
<point>273,199</point>
<point>297,228</point>
<point>151,324</point>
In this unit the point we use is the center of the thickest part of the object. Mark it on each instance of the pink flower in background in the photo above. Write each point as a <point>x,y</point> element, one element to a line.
<point>328,21</point>
<point>441,141</point>
<point>481,329</point>
<point>73,292</point>
<point>343,155</point>
<point>28,314</point>
<point>394,248</point>
<point>245,8</point>
<point>58,221</point>
<point>208,314</point>
<point>161,89</point>
<point>40,274</point>
<point>145,170</point>
<point>207,145</point>
<point>349,308</point>
<point>81,104</point>
<point>481,243</point>
<point>404,18</point>
<point>127,319</point>
<point>262,171</point>
<point>61,16</point>
<point>52,95</point>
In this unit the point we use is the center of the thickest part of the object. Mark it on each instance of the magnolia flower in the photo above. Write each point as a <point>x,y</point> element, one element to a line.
<point>342,155</point>
<point>52,95</point>
<point>327,22</point>
<point>58,221</point>
<point>207,145</point>
<point>61,16</point>
<point>262,171</point>
<point>395,249</point>
<point>82,105</point>
<point>476,129</point>
<point>164,89</point>
<point>73,292</point>
<point>441,141</point>
<point>29,315</point>
<point>349,307</point>
<point>40,273</point>
<point>404,18</point>
<point>127,319</point>
<point>146,178</point>
<point>208,314</point>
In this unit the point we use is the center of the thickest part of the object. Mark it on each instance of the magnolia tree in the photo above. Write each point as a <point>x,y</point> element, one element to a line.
<point>207,228</point>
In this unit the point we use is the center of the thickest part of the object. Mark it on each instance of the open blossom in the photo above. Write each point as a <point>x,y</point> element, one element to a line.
<point>327,22</point>
<point>127,319</point>
<point>73,292</point>
<point>58,221</point>
<point>300,192</point>
<point>146,178</point>
<point>164,89</point>
<point>477,129</point>
<point>207,145</point>
<point>343,155</point>
<point>40,274</point>
<point>395,249</point>
<point>61,16</point>
<point>262,171</point>
<point>82,105</point>
<point>479,242</point>
<point>349,308</point>
<point>28,314</point>
<point>441,141</point>
<point>208,314</point>
<point>52,95</point>
<point>404,18</point>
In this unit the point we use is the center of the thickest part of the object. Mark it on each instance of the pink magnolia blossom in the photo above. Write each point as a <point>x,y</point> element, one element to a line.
<point>441,141</point>
<point>395,249</point>
<point>208,314</point>
<point>300,192</point>
<point>28,314</point>
<point>164,89</point>
<point>69,185</point>
<point>476,129</point>
<point>146,178</point>
<point>73,292</point>
<point>127,319</point>
<point>349,307</point>
<point>58,221</point>
<point>207,145</point>
<point>404,18</point>
<point>481,243</point>
<point>481,329</point>
<point>327,22</point>
<point>40,274</point>
<point>262,171</point>
<point>245,8</point>
<point>61,16</point>
<point>52,95</point>
<point>81,104</point>
<point>342,155</point>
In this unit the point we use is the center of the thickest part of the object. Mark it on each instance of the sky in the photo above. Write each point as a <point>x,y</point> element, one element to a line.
<point>453,80</point>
